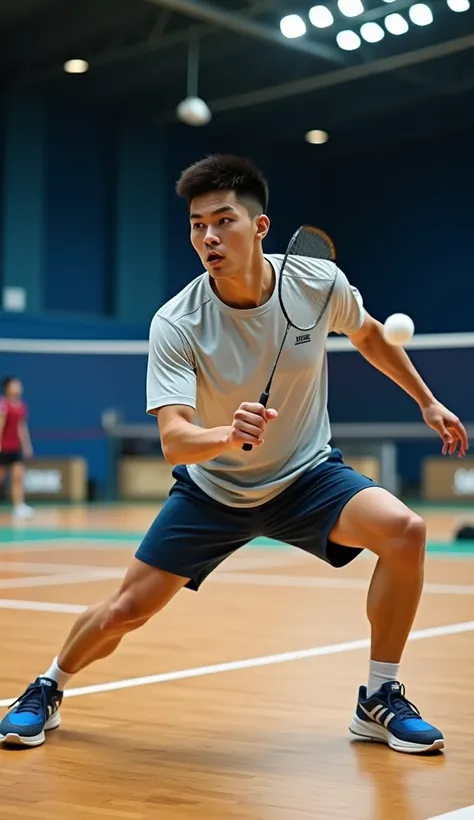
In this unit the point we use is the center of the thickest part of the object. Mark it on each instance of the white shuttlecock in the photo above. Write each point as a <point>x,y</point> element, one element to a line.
<point>194,111</point>
<point>398,329</point>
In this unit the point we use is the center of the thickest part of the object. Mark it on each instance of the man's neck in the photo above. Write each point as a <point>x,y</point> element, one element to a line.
<point>250,289</point>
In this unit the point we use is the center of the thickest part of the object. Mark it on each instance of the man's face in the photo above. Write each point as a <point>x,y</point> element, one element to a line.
<point>224,233</point>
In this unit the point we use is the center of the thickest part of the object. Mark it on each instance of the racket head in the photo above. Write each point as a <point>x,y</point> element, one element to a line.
<point>303,295</point>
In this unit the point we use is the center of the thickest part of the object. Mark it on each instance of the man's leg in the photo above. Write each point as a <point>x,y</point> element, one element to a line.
<point>190,537</point>
<point>333,512</point>
<point>95,635</point>
<point>378,521</point>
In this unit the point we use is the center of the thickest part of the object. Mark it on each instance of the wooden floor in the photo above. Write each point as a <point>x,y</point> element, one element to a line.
<point>234,702</point>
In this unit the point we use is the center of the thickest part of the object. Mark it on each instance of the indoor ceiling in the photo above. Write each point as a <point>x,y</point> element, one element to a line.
<point>249,74</point>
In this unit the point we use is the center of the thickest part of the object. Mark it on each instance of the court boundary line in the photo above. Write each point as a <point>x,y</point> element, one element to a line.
<point>253,663</point>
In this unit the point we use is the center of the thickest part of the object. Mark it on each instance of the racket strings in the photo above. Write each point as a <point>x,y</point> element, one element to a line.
<point>306,280</point>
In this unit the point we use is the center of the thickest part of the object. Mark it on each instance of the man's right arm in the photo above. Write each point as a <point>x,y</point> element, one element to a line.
<point>183,442</point>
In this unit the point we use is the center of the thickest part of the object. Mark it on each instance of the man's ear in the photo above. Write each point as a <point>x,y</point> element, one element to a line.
<point>263,226</point>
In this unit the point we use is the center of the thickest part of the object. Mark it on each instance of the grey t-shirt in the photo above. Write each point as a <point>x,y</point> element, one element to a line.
<point>212,357</point>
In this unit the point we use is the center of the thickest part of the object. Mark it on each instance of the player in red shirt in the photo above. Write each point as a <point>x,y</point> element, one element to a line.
<point>15,442</point>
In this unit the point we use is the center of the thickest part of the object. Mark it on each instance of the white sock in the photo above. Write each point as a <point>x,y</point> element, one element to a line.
<point>57,674</point>
<point>380,673</point>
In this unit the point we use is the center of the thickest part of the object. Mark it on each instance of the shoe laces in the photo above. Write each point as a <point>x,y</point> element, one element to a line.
<point>401,705</point>
<point>34,699</point>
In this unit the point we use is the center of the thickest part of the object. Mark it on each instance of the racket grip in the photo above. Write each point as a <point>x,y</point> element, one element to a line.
<point>262,400</point>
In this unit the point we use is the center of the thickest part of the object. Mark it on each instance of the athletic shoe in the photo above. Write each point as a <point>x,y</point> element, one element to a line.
<point>35,712</point>
<point>388,717</point>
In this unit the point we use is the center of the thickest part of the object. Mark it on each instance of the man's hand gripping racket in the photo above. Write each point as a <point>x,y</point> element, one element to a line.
<point>303,298</point>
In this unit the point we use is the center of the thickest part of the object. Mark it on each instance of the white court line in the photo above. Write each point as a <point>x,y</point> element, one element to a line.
<point>252,663</point>
<point>329,583</point>
<point>43,568</point>
<point>60,580</point>
<point>459,814</point>
<point>41,606</point>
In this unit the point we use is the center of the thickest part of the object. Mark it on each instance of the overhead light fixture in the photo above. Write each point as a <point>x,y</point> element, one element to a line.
<point>389,1</point>
<point>76,66</point>
<point>420,14</point>
<point>372,32</point>
<point>317,137</point>
<point>348,40</point>
<point>350,8</point>
<point>320,17</point>
<point>459,5</point>
<point>396,24</point>
<point>292,26</point>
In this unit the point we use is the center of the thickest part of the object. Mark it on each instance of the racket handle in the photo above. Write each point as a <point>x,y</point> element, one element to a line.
<point>262,400</point>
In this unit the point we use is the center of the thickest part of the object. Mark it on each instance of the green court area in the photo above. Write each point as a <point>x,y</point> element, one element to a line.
<point>10,536</point>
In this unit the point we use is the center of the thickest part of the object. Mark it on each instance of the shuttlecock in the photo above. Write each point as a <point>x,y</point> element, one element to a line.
<point>194,111</point>
<point>398,329</point>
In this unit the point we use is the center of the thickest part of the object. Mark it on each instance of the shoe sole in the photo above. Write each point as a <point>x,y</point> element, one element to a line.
<point>14,739</point>
<point>378,734</point>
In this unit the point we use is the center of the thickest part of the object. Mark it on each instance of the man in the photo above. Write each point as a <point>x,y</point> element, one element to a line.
<point>211,347</point>
<point>15,443</point>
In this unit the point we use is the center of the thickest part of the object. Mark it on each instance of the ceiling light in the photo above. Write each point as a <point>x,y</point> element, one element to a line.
<point>76,66</point>
<point>420,14</point>
<point>317,137</point>
<point>459,5</point>
<point>350,8</point>
<point>348,40</point>
<point>396,24</point>
<point>321,17</point>
<point>372,32</point>
<point>292,26</point>
<point>389,1</point>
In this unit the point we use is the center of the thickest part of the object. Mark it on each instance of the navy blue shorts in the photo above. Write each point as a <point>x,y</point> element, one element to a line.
<point>193,533</point>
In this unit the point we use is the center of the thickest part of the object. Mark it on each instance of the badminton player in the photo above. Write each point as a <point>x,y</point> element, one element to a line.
<point>211,349</point>
<point>15,443</point>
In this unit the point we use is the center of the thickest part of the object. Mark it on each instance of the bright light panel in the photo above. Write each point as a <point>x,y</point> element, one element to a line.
<point>317,137</point>
<point>292,26</point>
<point>372,32</point>
<point>350,8</point>
<point>321,17</point>
<point>76,66</point>
<point>420,14</point>
<point>348,40</point>
<point>459,5</point>
<point>396,24</point>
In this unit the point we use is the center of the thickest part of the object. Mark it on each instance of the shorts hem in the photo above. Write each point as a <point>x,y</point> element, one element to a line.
<point>145,558</point>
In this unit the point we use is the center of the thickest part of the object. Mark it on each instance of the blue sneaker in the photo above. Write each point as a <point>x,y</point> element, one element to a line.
<point>388,717</point>
<point>35,711</point>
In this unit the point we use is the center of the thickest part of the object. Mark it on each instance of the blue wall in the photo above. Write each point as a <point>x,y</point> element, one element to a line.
<point>94,232</point>
<point>83,216</point>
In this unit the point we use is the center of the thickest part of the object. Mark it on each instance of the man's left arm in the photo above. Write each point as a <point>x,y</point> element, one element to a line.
<point>395,363</point>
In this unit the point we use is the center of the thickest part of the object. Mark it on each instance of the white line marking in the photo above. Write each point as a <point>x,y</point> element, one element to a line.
<point>41,606</point>
<point>459,814</point>
<point>43,568</point>
<point>329,583</point>
<point>252,663</point>
<point>60,580</point>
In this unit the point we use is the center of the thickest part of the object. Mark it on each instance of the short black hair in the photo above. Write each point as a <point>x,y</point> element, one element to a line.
<point>6,382</point>
<point>224,172</point>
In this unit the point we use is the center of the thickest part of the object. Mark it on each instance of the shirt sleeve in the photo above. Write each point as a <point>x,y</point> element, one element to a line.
<point>347,309</point>
<point>171,374</point>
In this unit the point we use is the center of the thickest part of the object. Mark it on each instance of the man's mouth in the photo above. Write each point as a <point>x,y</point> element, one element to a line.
<point>214,259</point>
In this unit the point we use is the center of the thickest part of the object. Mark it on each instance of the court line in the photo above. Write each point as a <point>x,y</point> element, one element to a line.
<point>329,583</point>
<point>41,606</point>
<point>60,580</point>
<point>89,573</point>
<point>252,663</point>
<point>459,814</point>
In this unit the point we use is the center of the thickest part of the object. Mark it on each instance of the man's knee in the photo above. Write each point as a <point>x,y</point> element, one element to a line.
<point>408,540</point>
<point>144,592</point>
<point>125,612</point>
